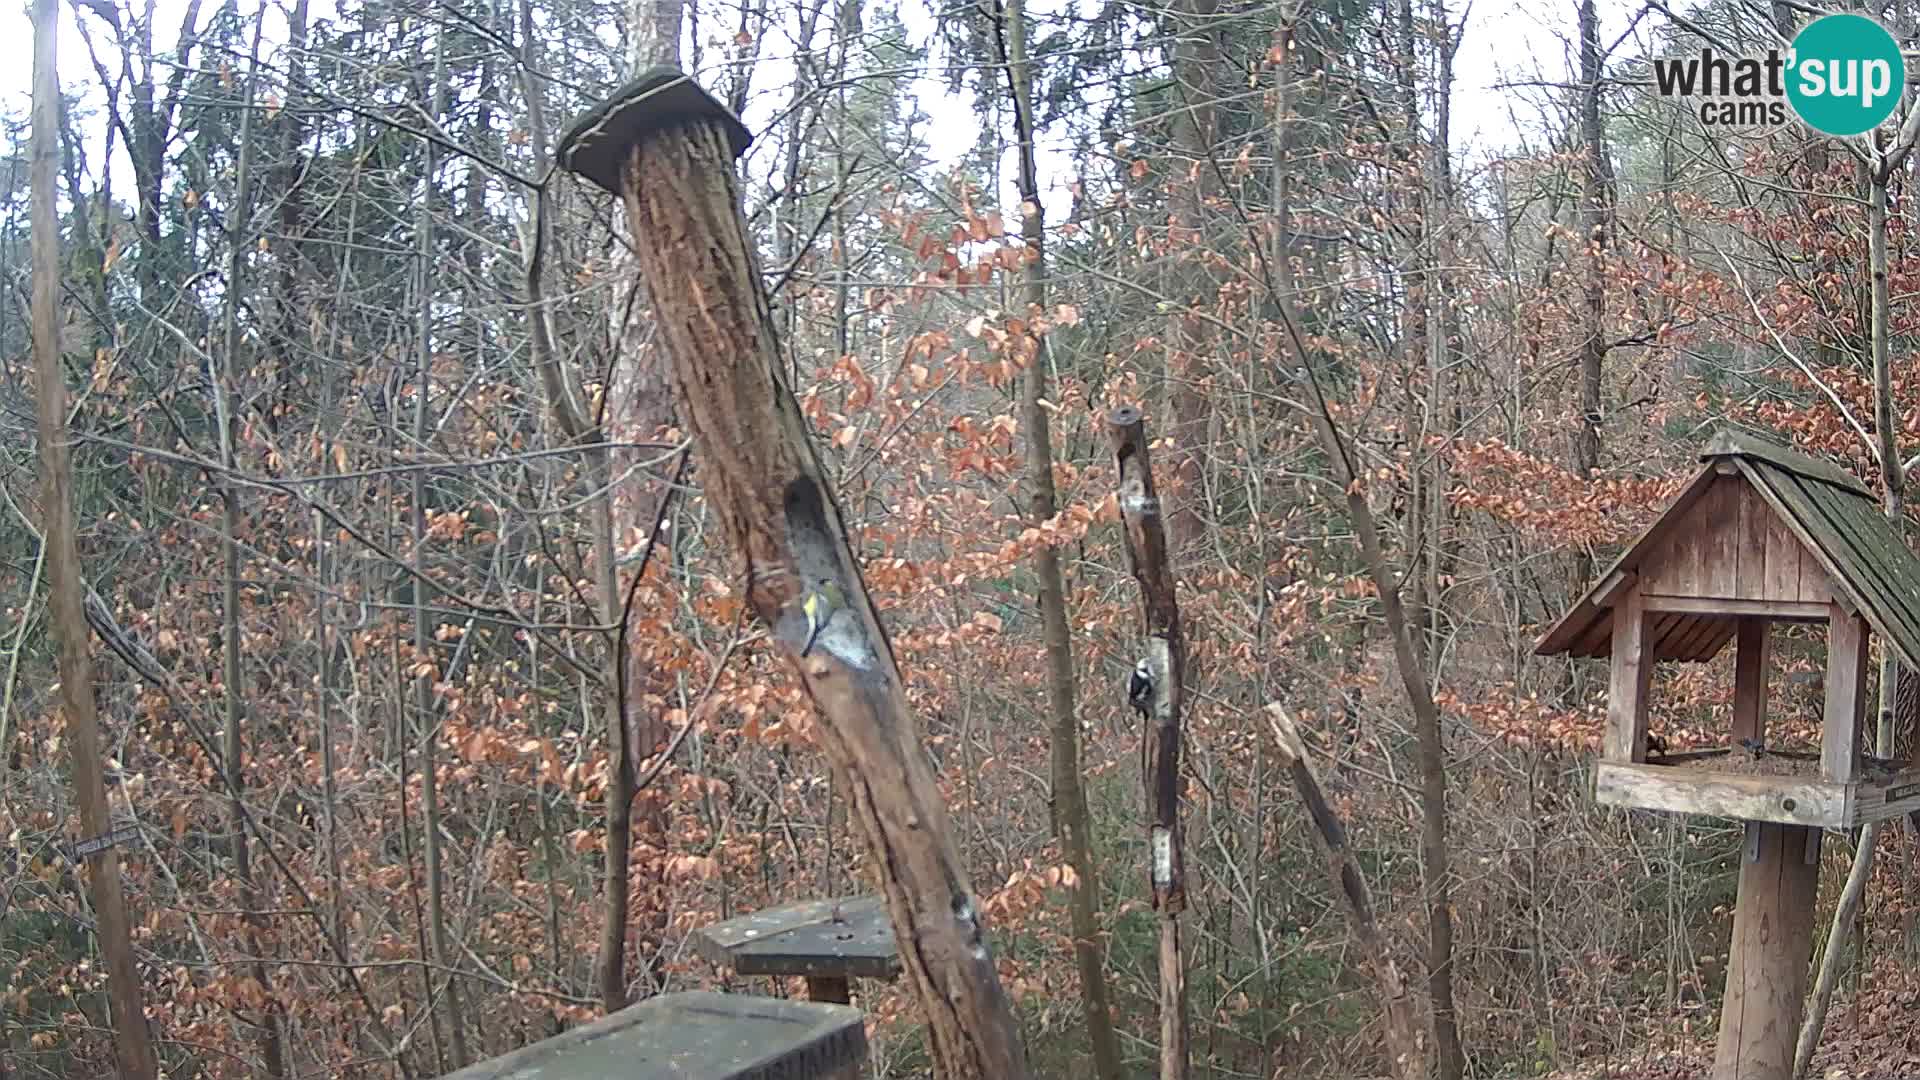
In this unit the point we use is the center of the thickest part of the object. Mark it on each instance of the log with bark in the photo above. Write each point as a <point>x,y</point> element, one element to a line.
<point>667,148</point>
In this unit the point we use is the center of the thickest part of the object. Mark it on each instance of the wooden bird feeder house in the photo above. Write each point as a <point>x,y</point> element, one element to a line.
<point>1761,535</point>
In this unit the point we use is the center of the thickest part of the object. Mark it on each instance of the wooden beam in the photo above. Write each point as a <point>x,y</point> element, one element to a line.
<point>1784,610</point>
<point>1711,793</point>
<point>1750,679</point>
<point>1632,672</point>
<point>1610,587</point>
<point>1767,967</point>
<point>1841,726</point>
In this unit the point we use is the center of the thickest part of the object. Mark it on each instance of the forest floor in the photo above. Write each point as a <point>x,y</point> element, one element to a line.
<point>1874,1035</point>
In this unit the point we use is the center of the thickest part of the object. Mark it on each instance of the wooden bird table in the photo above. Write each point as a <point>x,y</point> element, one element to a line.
<point>696,1036</point>
<point>829,942</point>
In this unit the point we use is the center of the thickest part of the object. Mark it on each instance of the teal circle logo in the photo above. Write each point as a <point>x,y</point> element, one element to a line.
<point>1846,74</point>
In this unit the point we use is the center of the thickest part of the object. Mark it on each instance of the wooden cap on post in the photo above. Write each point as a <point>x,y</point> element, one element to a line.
<point>598,143</point>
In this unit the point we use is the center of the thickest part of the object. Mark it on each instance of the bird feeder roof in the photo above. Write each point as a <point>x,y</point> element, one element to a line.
<point>598,143</point>
<point>1835,518</point>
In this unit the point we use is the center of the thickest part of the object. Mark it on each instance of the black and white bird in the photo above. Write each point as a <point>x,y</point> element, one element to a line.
<point>1140,688</point>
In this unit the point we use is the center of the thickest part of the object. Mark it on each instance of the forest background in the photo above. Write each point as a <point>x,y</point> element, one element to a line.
<point>368,513</point>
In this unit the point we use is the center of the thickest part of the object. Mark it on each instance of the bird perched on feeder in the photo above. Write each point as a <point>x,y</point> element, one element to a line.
<point>1140,688</point>
<point>1749,749</point>
<point>820,605</point>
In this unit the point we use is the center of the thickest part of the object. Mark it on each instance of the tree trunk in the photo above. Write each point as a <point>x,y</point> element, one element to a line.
<point>1596,204</point>
<point>226,396</point>
<point>426,711</point>
<point>639,406</point>
<point>769,494</point>
<point>1071,822</point>
<point>1166,655</point>
<point>132,1045</point>
<point>1196,64</point>
<point>1892,477</point>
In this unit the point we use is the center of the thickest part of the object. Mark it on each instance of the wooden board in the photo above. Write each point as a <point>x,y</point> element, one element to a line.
<point>1886,800</point>
<point>849,938</point>
<point>1784,799</point>
<point>699,1034</point>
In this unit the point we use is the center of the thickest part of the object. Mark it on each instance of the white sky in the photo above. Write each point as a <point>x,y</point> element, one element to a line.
<point>1510,48</point>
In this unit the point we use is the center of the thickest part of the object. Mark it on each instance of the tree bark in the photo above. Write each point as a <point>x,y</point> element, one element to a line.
<point>771,499</point>
<point>132,1045</point>
<point>1166,654</point>
<point>1071,822</point>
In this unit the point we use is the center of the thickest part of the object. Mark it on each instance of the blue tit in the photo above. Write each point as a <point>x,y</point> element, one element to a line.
<point>820,605</point>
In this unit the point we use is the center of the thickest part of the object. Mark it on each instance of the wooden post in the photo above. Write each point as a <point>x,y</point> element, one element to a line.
<point>1166,654</point>
<point>668,149</point>
<point>1750,660</point>
<point>835,989</point>
<point>1840,728</point>
<point>1767,968</point>
<point>1632,674</point>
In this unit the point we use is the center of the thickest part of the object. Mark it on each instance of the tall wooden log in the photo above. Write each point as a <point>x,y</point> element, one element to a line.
<point>668,148</point>
<point>1166,654</point>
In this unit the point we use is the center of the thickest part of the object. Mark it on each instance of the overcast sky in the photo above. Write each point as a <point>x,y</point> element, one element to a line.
<point>1511,48</point>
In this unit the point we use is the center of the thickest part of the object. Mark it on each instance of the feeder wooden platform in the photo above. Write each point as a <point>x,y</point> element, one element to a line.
<point>829,942</point>
<point>1696,783</point>
<point>696,1036</point>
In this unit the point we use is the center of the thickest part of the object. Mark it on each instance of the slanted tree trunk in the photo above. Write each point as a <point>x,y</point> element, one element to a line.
<point>1403,1033</point>
<point>65,590</point>
<point>1166,654</point>
<point>1071,822</point>
<point>671,154</point>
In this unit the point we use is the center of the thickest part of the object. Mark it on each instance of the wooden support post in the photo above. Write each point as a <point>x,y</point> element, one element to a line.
<point>668,149</point>
<point>1840,728</point>
<point>1750,660</point>
<point>834,989</point>
<point>1166,654</point>
<point>1632,674</point>
<point>1767,968</point>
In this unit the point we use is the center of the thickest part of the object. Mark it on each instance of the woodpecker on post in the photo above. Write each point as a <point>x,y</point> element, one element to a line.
<point>1140,688</point>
